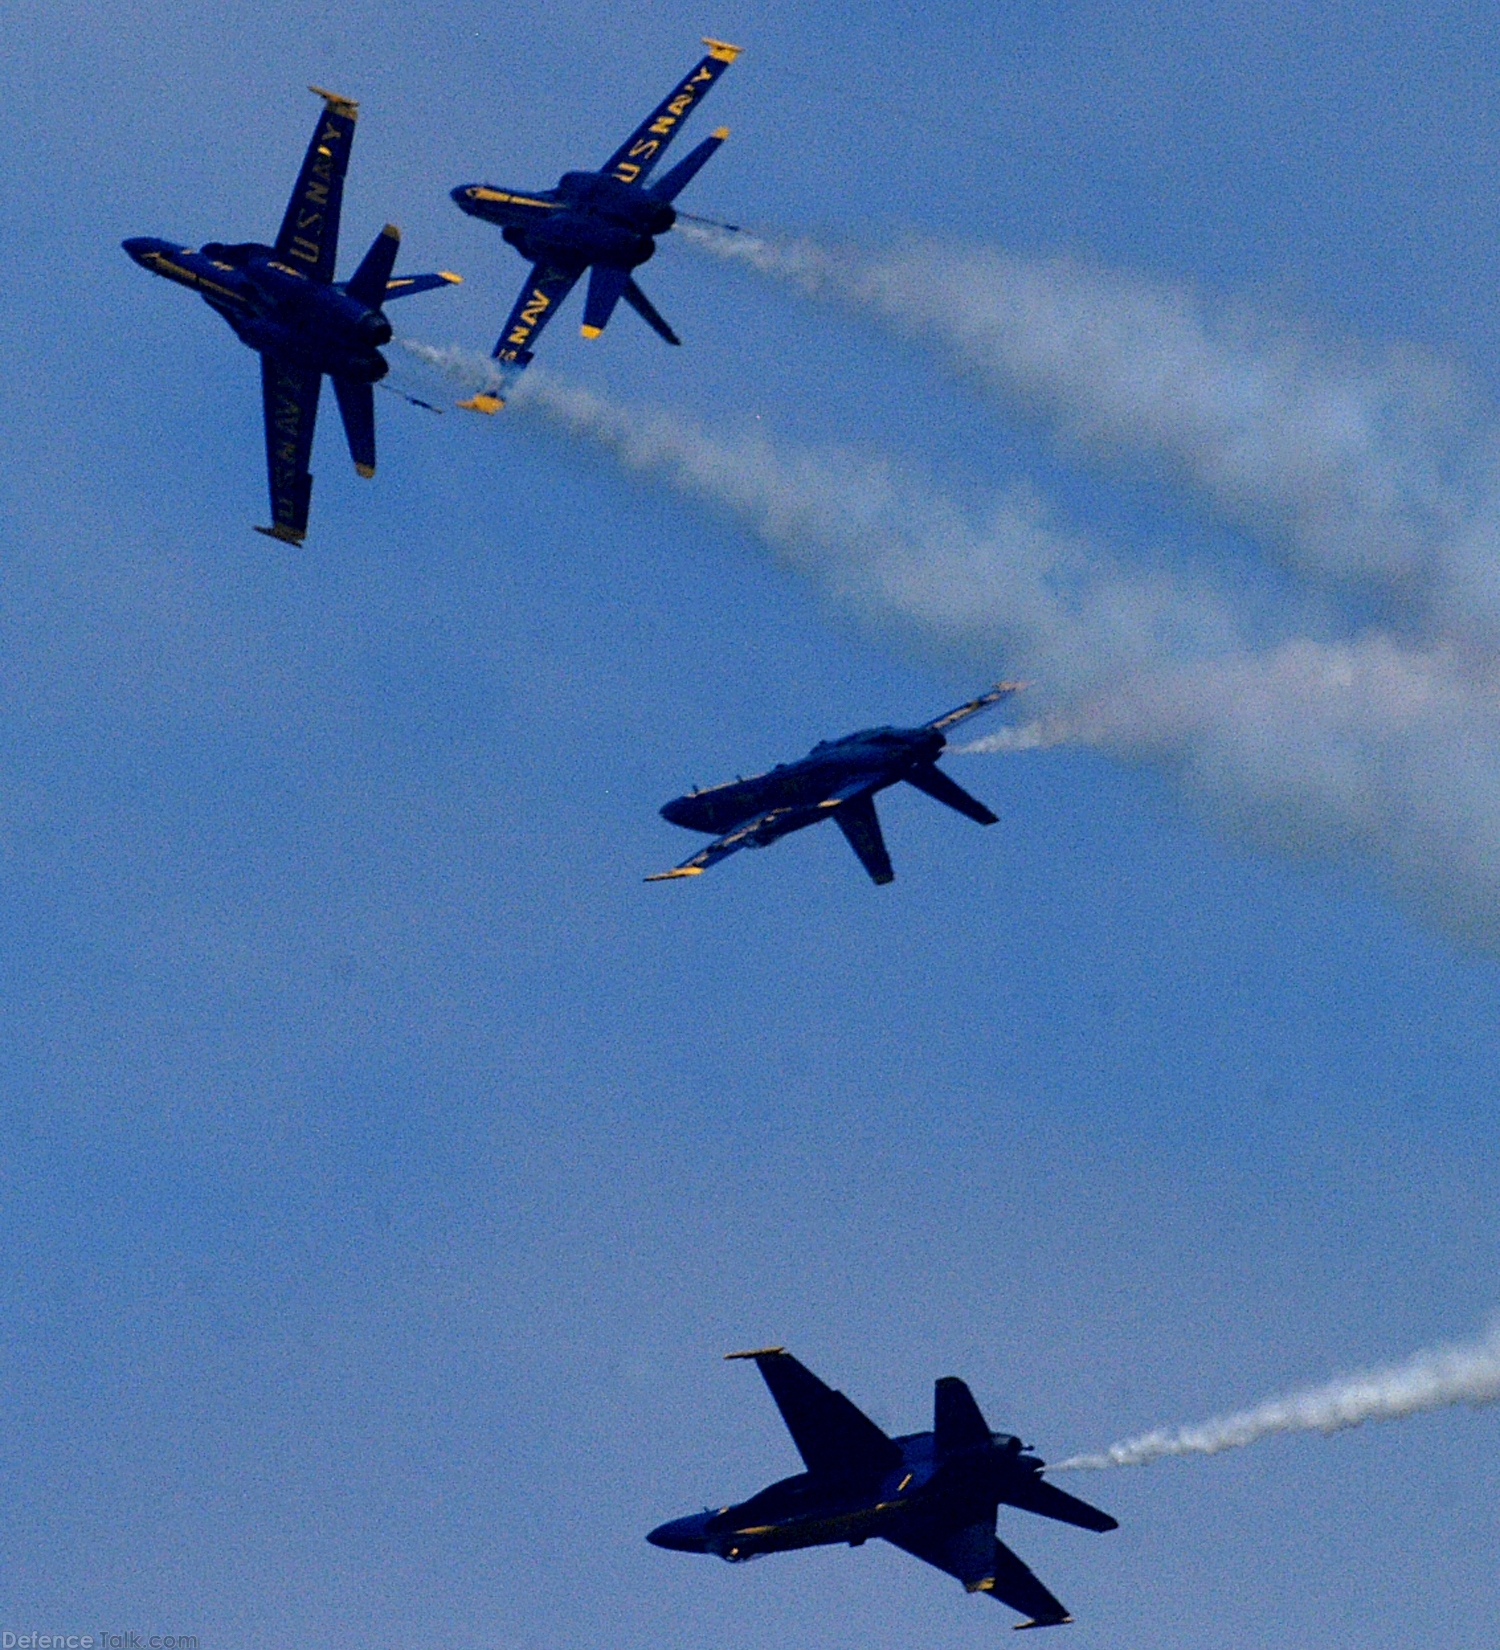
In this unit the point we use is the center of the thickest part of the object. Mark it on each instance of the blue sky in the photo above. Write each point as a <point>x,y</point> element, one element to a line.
<point>386,1166</point>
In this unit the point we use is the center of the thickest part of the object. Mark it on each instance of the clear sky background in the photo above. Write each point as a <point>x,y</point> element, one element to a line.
<point>386,1166</point>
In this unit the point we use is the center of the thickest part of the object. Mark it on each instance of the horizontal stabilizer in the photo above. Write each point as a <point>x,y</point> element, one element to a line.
<point>683,173</point>
<point>403,286</point>
<point>1038,1496</point>
<point>936,784</point>
<point>643,307</point>
<point>956,1420</point>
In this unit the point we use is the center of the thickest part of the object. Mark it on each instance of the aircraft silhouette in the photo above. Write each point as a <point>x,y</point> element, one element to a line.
<point>837,780</point>
<point>933,1494</point>
<point>283,302</point>
<point>605,221</point>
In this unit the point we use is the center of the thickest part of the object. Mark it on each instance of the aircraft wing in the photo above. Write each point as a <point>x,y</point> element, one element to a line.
<point>1001,690</point>
<point>1041,1497</point>
<point>290,398</point>
<point>975,1556</point>
<point>543,293</point>
<point>834,1438</point>
<point>635,157</point>
<point>753,833</point>
<point>309,237</point>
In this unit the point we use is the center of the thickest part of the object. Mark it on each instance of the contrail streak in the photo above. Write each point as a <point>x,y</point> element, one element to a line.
<point>1352,462</point>
<point>997,576</point>
<point>1043,734</point>
<point>1294,725</point>
<point>1437,1379</point>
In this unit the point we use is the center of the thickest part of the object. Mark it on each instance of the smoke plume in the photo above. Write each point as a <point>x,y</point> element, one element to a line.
<point>1354,464</point>
<point>1436,1379</point>
<point>1306,729</point>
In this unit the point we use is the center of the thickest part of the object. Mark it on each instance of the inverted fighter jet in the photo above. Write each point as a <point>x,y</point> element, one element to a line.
<point>283,302</point>
<point>836,780</point>
<point>933,1494</point>
<point>605,221</point>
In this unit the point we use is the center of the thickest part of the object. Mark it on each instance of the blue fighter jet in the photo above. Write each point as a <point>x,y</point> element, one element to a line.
<point>836,780</point>
<point>606,221</point>
<point>283,302</point>
<point>933,1494</point>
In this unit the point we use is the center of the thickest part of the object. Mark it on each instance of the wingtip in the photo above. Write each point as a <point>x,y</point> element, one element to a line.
<point>1044,1621</point>
<point>676,871</point>
<point>756,1352</point>
<point>450,277</point>
<point>284,534</point>
<point>336,101</point>
<point>483,403</point>
<point>721,51</point>
<point>721,132</point>
<point>365,470</point>
<point>591,332</point>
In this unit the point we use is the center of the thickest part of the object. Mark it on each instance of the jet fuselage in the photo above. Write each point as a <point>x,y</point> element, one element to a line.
<point>806,1511</point>
<point>589,218</point>
<point>275,309</point>
<point>879,757</point>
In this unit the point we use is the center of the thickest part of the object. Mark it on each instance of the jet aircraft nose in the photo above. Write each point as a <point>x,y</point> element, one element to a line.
<point>138,246</point>
<point>683,1535</point>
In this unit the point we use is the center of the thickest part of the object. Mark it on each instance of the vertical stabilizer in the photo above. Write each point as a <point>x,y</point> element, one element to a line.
<point>956,1421</point>
<point>371,279</point>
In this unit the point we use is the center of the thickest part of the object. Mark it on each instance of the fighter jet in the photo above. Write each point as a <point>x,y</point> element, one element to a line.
<point>283,302</point>
<point>606,221</point>
<point>933,1494</point>
<point>837,780</point>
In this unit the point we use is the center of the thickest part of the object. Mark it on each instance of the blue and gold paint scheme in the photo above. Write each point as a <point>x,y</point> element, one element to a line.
<point>933,1494</point>
<point>838,779</point>
<point>605,222</point>
<point>283,302</point>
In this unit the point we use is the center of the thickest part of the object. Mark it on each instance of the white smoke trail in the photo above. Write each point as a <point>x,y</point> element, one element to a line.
<point>1354,465</point>
<point>1375,741</point>
<point>882,540</point>
<point>1043,734</point>
<point>1437,1379</point>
